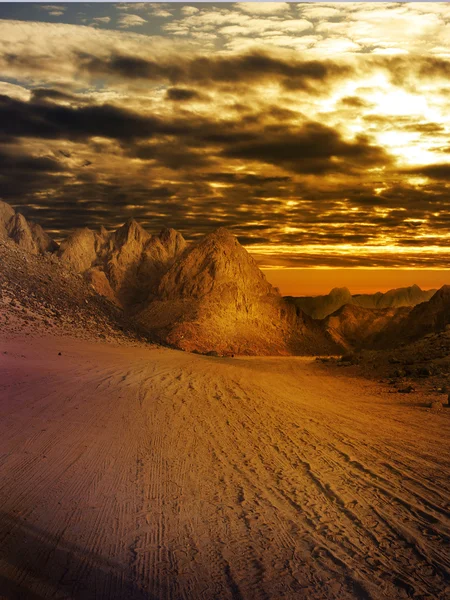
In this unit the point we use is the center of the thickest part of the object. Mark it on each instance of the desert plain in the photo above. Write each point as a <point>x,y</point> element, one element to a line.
<point>133,471</point>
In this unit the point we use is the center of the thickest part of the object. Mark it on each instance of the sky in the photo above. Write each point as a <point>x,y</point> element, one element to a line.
<point>317,132</point>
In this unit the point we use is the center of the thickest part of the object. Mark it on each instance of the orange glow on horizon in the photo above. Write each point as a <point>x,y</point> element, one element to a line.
<point>316,282</point>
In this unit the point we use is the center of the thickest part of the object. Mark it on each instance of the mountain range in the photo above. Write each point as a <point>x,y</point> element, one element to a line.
<point>209,295</point>
<point>319,307</point>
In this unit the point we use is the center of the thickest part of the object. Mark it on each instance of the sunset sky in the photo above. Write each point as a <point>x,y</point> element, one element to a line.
<point>317,132</point>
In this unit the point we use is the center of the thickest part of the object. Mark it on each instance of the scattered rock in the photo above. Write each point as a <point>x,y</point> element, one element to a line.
<point>346,360</point>
<point>393,360</point>
<point>406,390</point>
<point>45,296</point>
<point>398,373</point>
<point>424,372</point>
<point>436,405</point>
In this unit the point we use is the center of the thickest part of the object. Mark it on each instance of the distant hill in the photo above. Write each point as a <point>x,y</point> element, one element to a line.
<point>319,307</point>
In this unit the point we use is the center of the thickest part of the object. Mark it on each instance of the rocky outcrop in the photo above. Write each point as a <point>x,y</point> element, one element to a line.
<point>408,296</point>
<point>27,235</point>
<point>214,297</point>
<point>99,282</point>
<point>79,250</point>
<point>40,296</point>
<point>132,261</point>
<point>354,327</point>
<point>6,214</point>
<point>424,319</point>
<point>211,297</point>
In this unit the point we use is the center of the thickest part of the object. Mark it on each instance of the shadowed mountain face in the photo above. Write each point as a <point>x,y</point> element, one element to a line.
<point>26,234</point>
<point>424,319</point>
<point>354,327</point>
<point>319,307</point>
<point>125,265</point>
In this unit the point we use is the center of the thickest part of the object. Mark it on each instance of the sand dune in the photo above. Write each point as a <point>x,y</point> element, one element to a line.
<point>151,473</point>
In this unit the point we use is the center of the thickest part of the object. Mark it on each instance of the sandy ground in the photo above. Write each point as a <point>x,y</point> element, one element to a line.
<point>148,473</point>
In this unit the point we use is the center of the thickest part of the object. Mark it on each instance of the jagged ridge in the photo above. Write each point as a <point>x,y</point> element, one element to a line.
<point>125,265</point>
<point>26,234</point>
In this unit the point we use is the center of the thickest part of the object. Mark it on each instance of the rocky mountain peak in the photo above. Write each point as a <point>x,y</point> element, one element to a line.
<point>340,291</point>
<point>172,240</point>
<point>123,265</point>
<point>6,213</point>
<point>79,250</point>
<point>214,297</point>
<point>442,294</point>
<point>103,233</point>
<point>131,232</point>
<point>26,234</point>
<point>216,263</point>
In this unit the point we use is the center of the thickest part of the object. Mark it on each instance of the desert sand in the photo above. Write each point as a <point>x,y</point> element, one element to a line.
<point>152,473</point>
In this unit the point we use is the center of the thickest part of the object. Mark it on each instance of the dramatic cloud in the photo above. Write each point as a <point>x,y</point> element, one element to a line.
<point>312,149</point>
<point>319,133</point>
<point>222,70</point>
<point>104,20</point>
<point>440,171</point>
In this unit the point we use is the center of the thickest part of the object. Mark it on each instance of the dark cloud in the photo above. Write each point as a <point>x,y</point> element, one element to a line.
<point>182,94</point>
<point>23,163</point>
<point>439,171</point>
<point>173,155</point>
<point>24,177</point>
<point>405,71</point>
<point>249,179</point>
<point>440,149</point>
<point>312,148</point>
<point>360,259</point>
<point>428,128</point>
<point>354,102</point>
<point>49,94</point>
<point>433,66</point>
<point>200,152</point>
<point>294,74</point>
<point>52,121</point>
